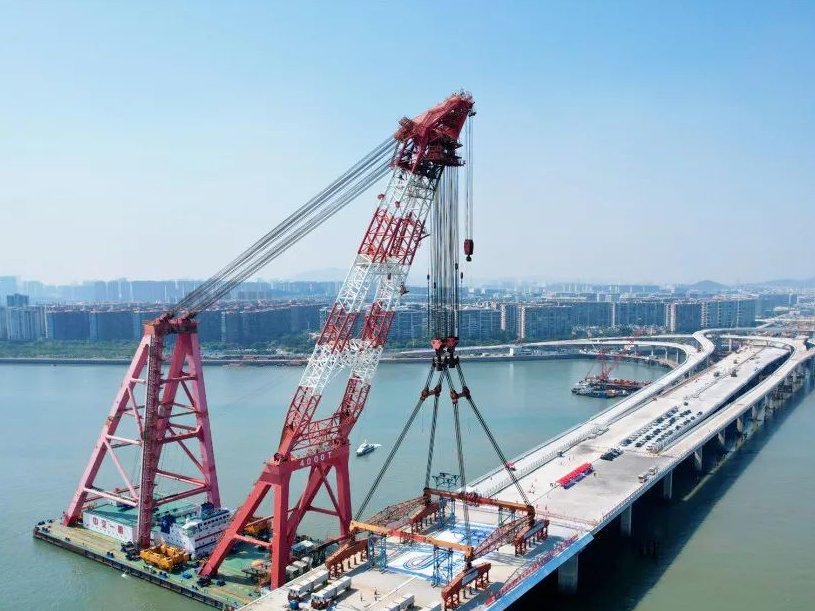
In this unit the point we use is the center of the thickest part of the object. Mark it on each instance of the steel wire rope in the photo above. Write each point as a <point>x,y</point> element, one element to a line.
<point>306,208</point>
<point>288,240</point>
<point>496,447</point>
<point>358,424</point>
<point>398,443</point>
<point>247,262</point>
<point>469,178</point>
<point>460,451</point>
<point>432,441</point>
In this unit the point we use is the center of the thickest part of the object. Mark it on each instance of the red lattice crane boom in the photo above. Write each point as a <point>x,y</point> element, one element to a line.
<point>605,367</point>
<point>352,338</point>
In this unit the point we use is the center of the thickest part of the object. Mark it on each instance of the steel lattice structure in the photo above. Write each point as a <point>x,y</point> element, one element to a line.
<point>168,406</point>
<point>352,338</point>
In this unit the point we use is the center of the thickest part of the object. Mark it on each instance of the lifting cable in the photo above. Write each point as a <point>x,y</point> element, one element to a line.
<point>300,223</point>
<point>425,393</point>
<point>432,441</point>
<point>468,190</point>
<point>494,443</point>
<point>460,450</point>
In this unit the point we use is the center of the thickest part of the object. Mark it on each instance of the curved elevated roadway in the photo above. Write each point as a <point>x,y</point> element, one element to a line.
<point>725,399</point>
<point>695,358</point>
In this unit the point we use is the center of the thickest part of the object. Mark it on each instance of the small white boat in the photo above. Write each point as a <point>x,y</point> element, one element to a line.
<point>366,448</point>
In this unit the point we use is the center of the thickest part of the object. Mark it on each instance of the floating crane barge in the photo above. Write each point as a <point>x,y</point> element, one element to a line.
<point>162,399</point>
<point>603,386</point>
<point>609,388</point>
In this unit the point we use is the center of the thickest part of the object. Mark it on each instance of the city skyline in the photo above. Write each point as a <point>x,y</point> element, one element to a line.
<point>253,321</point>
<point>130,162</point>
<point>418,280</point>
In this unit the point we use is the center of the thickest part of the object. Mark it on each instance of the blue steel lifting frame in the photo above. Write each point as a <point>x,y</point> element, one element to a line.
<point>378,557</point>
<point>444,519</point>
<point>446,481</point>
<point>372,550</point>
<point>383,553</point>
<point>442,566</point>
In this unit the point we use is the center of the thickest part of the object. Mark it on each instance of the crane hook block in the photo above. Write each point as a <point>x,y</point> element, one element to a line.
<point>469,247</point>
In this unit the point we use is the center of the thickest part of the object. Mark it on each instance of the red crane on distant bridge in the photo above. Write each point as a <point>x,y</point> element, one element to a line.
<point>603,385</point>
<point>607,367</point>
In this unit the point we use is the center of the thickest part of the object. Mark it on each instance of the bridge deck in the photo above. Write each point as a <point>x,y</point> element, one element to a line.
<point>597,496</point>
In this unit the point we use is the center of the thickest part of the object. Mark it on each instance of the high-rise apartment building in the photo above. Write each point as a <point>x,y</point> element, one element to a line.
<point>728,313</point>
<point>16,300</point>
<point>684,316</point>
<point>540,322</point>
<point>23,324</point>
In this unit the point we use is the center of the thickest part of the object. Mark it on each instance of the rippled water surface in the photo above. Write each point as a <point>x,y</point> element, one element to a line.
<point>743,541</point>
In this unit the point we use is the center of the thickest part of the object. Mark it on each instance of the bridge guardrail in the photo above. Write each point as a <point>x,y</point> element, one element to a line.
<point>525,571</point>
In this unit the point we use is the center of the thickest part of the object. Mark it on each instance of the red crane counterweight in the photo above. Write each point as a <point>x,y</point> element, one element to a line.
<point>469,248</point>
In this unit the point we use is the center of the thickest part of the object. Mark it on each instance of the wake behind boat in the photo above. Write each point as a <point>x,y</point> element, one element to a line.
<point>366,448</point>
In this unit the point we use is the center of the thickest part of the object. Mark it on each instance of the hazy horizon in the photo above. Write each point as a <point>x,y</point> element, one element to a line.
<point>417,278</point>
<point>648,142</point>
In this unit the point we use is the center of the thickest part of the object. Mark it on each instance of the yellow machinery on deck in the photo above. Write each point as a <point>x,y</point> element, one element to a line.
<point>165,556</point>
<point>257,526</point>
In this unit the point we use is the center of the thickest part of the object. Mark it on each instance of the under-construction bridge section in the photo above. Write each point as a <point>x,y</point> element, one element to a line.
<point>391,521</point>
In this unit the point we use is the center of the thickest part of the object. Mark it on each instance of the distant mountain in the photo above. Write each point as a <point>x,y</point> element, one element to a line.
<point>707,286</point>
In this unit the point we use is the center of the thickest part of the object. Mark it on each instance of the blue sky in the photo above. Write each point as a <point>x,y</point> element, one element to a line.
<point>625,141</point>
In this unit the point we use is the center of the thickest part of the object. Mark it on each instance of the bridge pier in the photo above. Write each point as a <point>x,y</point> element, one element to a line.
<point>626,520</point>
<point>770,409</point>
<point>757,411</point>
<point>668,486</point>
<point>567,576</point>
<point>740,425</point>
<point>722,437</point>
<point>698,459</point>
